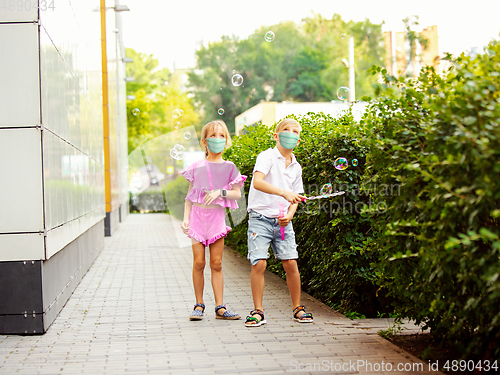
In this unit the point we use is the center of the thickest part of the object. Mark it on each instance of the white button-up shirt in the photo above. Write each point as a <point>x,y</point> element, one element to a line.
<point>272,164</point>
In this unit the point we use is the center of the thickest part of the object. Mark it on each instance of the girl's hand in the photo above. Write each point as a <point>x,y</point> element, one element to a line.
<point>185,227</point>
<point>283,221</point>
<point>210,196</point>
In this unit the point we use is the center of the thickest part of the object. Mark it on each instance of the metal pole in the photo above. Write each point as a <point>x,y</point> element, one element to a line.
<point>352,89</point>
<point>393,53</point>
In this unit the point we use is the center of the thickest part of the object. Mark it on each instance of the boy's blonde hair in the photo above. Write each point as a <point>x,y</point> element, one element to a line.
<point>284,123</point>
<point>208,127</point>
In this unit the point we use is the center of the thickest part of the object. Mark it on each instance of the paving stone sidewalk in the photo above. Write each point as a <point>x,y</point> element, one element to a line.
<point>130,315</point>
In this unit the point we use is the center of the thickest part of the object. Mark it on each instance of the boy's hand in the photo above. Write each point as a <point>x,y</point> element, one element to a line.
<point>283,221</point>
<point>185,227</point>
<point>292,197</point>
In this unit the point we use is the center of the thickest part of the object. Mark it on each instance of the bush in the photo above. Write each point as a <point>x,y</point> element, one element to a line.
<point>150,200</point>
<point>438,137</point>
<point>332,234</point>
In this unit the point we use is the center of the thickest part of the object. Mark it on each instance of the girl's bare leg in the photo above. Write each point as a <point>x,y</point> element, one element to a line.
<point>216,250</point>
<point>198,267</point>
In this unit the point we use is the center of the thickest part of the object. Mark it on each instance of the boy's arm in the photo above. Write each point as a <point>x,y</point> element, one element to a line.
<point>266,187</point>
<point>283,221</point>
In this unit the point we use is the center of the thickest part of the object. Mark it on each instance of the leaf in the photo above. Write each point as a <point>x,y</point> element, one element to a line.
<point>469,120</point>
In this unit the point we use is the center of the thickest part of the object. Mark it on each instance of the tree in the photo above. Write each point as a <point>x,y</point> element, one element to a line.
<point>301,64</point>
<point>150,114</point>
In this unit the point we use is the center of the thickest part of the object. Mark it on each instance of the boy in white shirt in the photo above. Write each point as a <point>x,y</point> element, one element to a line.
<point>277,180</point>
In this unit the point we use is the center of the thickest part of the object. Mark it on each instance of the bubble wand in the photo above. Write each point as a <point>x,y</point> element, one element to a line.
<point>325,195</point>
<point>282,214</point>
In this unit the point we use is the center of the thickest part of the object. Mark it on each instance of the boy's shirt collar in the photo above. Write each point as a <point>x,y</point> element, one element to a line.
<point>278,155</point>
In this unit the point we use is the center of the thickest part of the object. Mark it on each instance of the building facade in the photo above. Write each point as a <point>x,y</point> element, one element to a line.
<point>397,55</point>
<point>52,164</point>
<point>269,113</point>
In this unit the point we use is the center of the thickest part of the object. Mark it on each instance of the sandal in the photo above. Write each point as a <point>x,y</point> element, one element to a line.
<point>228,315</point>
<point>197,314</point>
<point>250,321</point>
<point>304,318</point>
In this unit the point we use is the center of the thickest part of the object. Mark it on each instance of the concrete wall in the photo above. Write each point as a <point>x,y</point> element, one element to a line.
<point>51,156</point>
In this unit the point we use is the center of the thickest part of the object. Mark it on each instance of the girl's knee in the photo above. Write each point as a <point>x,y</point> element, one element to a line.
<point>199,265</point>
<point>216,265</point>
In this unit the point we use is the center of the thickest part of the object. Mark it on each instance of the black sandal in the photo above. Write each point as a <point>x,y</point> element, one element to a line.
<point>250,321</point>
<point>304,318</point>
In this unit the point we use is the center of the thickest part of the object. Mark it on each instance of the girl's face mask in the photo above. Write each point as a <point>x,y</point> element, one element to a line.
<point>216,145</point>
<point>288,140</point>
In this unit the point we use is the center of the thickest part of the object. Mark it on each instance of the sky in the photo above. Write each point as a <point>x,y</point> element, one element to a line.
<point>172,30</point>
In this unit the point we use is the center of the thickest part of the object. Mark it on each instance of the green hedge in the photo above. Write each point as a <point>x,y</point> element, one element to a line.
<point>438,137</point>
<point>427,242</point>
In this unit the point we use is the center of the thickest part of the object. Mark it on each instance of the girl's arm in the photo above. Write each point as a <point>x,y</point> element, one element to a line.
<point>234,193</point>
<point>187,212</point>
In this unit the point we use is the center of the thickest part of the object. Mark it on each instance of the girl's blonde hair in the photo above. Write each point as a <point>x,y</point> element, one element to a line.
<point>285,122</point>
<point>208,127</point>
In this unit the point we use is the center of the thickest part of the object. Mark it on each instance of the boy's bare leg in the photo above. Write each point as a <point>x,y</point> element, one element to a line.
<point>293,282</point>
<point>257,282</point>
<point>198,267</point>
<point>216,250</point>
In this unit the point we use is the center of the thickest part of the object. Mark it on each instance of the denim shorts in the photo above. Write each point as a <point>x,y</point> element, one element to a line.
<point>262,231</point>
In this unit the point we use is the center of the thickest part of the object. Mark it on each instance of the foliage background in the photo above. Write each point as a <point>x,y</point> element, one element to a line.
<point>157,94</point>
<point>439,138</point>
<point>303,63</point>
<point>430,250</point>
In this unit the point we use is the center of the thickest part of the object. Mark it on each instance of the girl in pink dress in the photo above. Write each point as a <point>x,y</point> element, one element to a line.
<point>214,184</point>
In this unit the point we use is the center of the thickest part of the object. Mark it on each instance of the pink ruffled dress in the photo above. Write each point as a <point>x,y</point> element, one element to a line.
<point>207,225</point>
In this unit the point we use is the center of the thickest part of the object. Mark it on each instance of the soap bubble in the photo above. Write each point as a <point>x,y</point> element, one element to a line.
<point>187,135</point>
<point>234,71</point>
<point>220,111</point>
<point>354,162</point>
<point>136,111</point>
<point>177,152</point>
<point>342,36</point>
<point>326,189</point>
<point>177,113</point>
<point>341,163</point>
<point>166,83</point>
<point>237,80</point>
<point>269,37</point>
<point>177,125</point>
<point>343,93</point>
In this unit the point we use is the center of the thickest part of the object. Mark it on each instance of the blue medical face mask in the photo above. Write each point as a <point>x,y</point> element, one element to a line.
<point>216,145</point>
<point>288,140</point>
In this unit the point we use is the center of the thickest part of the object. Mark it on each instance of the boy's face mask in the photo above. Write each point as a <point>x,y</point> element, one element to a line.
<point>216,145</point>
<point>288,140</point>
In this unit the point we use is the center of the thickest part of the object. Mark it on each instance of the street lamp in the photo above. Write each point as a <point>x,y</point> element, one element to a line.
<point>350,65</point>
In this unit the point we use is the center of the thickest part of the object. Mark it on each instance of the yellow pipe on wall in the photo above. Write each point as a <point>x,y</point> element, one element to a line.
<point>105,108</point>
